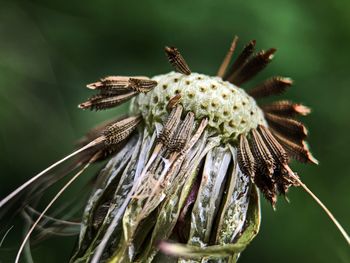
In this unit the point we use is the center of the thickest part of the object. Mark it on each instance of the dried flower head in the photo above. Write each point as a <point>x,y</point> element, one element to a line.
<point>187,164</point>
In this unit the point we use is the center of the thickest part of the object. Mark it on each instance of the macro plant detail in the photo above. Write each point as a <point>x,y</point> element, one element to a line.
<point>187,165</point>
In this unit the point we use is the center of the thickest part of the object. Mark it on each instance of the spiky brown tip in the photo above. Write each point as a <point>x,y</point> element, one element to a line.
<point>177,61</point>
<point>268,160</point>
<point>242,58</point>
<point>118,131</point>
<point>286,108</point>
<point>115,90</point>
<point>120,84</point>
<point>273,86</point>
<point>103,101</point>
<point>223,67</point>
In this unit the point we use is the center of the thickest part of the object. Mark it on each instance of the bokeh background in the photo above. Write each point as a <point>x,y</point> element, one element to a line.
<point>49,51</point>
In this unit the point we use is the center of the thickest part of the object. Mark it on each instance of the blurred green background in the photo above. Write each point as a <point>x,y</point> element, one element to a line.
<point>49,51</point>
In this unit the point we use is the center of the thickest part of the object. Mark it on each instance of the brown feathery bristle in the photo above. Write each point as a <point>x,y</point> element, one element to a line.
<point>101,101</point>
<point>121,84</point>
<point>274,146</point>
<point>245,157</point>
<point>182,135</point>
<point>286,108</point>
<point>142,85</point>
<point>242,58</point>
<point>287,126</point>
<point>252,67</point>
<point>298,152</point>
<point>223,67</point>
<point>170,125</point>
<point>120,130</point>
<point>95,132</point>
<point>264,161</point>
<point>295,139</point>
<point>267,187</point>
<point>282,176</point>
<point>174,101</point>
<point>285,179</point>
<point>269,87</point>
<point>177,61</point>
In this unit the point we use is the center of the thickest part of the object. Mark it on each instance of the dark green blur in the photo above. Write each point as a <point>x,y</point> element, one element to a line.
<point>49,51</point>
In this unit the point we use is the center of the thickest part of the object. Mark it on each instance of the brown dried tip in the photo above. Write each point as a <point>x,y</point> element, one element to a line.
<point>299,152</point>
<point>95,132</point>
<point>264,161</point>
<point>277,151</point>
<point>243,57</point>
<point>272,174</point>
<point>170,125</point>
<point>273,86</point>
<point>227,59</point>
<point>103,101</point>
<point>283,177</point>
<point>120,84</point>
<point>252,67</point>
<point>177,61</point>
<point>120,130</point>
<point>245,157</point>
<point>174,101</point>
<point>286,108</point>
<point>182,135</point>
<point>286,126</point>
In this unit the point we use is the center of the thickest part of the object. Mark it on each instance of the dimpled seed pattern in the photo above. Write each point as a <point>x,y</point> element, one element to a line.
<point>229,109</point>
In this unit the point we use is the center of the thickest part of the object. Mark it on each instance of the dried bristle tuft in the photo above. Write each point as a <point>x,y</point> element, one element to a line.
<point>283,178</point>
<point>287,126</point>
<point>296,151</point>
<point>182,135</point>
<point>101,101</point>
<point>269,87</point>
<point>286,108</point>
<point>120,85</point>
<point>223,67</point>
<point>242,58</point>
<point>177,61</point>
<point>174,101</point>
<point>95,132</point>
<point>274,146</point>
<point>142,85</point>
<point>264,161</point>
<point>245,157</point>
<point>170,125</point>
<point>252,67</point>
<point>117,132</point>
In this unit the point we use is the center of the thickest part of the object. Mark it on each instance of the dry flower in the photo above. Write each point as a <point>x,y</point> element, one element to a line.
<point>187,164</point>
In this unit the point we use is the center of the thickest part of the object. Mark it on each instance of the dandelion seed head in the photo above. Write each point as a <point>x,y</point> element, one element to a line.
<point>229,109</point>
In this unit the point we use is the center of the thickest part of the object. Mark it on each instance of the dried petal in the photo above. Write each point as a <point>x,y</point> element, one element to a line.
<point>272,86</point>
<point>286,108</point>
<point>298,152</point>
<point>287,126</point>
